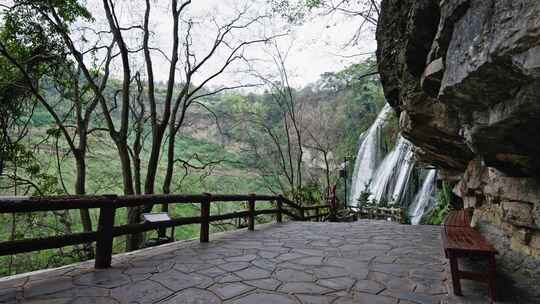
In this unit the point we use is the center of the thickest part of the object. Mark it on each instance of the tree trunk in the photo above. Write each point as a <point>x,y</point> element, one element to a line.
<point>151,171</point>
<point>157,138</point>
<point>170,165</point>
<point>168,175</point>
<point>153,162</point>
<point>137,173</point>
<point>133,241</point>
<point>80,189</point>
<point>125,162</point>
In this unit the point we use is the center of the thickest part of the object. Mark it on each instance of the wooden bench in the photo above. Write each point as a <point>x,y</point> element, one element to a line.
<point>460,240</point>
<point>458,218</point>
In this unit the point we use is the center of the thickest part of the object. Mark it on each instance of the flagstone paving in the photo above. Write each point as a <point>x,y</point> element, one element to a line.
<point>368,262</point>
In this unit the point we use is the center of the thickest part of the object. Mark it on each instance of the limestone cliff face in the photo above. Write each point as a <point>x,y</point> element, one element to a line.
<point>464,77</point>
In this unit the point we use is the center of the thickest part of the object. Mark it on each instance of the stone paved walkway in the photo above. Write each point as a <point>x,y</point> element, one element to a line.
<point>368,262</point>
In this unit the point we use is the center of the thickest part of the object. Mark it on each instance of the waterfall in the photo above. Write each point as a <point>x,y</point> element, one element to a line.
<point>369,155</point>
<point>425,199</point>
<point>393,174</point>
<point>393,178</point>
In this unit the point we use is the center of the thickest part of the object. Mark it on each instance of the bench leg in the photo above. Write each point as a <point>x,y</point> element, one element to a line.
<point>492,278</point>
<point>454,270</point>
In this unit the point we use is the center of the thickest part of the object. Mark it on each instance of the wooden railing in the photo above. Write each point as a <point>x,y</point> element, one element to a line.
<point>395,214</point>
<point>107,205</point>
<point>315,212</point>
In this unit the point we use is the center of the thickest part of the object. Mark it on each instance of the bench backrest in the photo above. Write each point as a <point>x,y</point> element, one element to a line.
<point>458,218</point>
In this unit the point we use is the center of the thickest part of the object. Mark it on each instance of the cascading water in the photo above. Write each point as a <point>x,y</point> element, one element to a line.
<point>369,155</point>
<point>392,176</point>
<point>389,179</point>
<point>425,199</point>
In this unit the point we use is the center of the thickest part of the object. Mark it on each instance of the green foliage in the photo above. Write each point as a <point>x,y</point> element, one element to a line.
<point>363,98</point>
<point>40,117</point>
<point>382,209</point>
<point>30,47</point>
<point>437,214</point>
<point>294,11</point>
<point>363,198</point>
<point>347,102</point>
<point>14,104</point>
<point>378,203</point>
<point>307,195</point>
<point>37,178</point>
<point>205,150</point>
<point>406,218</point>
<point>28,35</point>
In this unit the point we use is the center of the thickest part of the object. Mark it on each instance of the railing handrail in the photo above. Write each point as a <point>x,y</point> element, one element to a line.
<point>315,207</point>
<point>13,204</point>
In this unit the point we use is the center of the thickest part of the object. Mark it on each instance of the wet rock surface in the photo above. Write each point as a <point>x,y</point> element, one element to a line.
<point>286,263</point>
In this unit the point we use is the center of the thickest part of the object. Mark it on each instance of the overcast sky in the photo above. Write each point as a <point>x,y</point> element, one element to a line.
<point>315,47</point>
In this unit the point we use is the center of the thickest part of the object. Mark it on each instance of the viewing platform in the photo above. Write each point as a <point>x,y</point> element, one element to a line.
<point>292,262</point>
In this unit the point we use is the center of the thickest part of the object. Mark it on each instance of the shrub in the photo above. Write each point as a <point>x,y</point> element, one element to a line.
<point>444,200</point>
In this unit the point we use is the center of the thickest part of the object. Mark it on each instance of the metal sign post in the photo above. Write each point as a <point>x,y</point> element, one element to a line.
<point>155,218</point>
<point>344,174</point>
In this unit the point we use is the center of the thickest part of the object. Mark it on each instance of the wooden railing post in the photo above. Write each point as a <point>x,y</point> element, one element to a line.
<point>205,220</point>
<point>251,216</point>
<point>279,214</point>
<point>104,241</point>
<point>317,215</point>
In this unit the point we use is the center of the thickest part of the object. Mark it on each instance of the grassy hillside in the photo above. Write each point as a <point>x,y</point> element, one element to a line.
<point>104,177</point>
